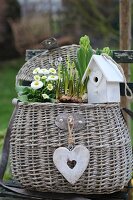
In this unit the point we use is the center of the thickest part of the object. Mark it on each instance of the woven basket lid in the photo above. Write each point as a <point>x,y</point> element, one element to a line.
<point>43,60</point>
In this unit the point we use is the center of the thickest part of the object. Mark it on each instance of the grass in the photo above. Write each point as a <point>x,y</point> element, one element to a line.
<point>8,71</point>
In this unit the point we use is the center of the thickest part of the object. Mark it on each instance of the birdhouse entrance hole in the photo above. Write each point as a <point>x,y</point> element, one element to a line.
<point>96,79</point>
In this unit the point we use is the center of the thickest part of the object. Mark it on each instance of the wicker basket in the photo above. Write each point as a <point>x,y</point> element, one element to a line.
<point>35,136</point>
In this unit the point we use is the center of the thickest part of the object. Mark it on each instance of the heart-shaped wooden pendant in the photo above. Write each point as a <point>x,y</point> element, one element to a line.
<point>71,164</point>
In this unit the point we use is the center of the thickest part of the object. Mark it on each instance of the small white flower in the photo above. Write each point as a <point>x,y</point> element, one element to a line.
<point>52,78</point>
<point>56,63</point>
<point>45,96</point>
<point>37,78</point>
<point>60,59</point>
<point>36,85</point>
<point>52,71</point>
<point>50,87</point>
<point>36,70</point>
<point>44,77</point>
<point>44,71</point>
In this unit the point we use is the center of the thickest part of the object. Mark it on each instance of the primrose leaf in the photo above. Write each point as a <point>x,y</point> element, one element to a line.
<point>23,98</point>
<point>22,89</point>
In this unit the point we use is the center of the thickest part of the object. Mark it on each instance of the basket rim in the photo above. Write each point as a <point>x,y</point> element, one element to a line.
<point>46,51</point>
<point>16,101</point>
<point>64,46</point>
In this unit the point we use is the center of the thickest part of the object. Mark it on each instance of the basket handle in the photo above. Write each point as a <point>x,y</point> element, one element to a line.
<point>129,112</point>
<point>47,44</point>
<point>50,43</point>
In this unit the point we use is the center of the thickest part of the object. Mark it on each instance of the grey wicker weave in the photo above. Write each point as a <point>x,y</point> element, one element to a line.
<point>42,60</point>
<point>35,136</point>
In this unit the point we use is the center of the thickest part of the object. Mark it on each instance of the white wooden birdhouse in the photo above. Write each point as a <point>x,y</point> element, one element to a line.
<point>104,78</point>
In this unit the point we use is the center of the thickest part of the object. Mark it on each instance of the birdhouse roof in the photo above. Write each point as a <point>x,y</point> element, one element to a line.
<point>107,67</point>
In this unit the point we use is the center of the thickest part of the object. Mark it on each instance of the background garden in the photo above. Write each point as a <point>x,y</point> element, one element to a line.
<point>25,23</point>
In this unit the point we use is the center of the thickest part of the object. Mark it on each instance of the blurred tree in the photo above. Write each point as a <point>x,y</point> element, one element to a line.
<point>13,10</point>
<point>98,19</point>
<point>9,10</point>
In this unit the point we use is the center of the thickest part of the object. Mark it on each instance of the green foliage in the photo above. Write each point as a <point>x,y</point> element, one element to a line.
<point>63,82</point>
<point>69,83</point>
<point>8,73</point>
<point>85,43</point>
<point>42,89</point>
<point>84,54</point>
<point>22,93</point>
<point>27,94</point>
<point>105,50</point>
<point>99,19</point>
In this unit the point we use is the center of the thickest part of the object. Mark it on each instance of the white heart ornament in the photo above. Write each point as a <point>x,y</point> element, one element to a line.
<point>71,164</point>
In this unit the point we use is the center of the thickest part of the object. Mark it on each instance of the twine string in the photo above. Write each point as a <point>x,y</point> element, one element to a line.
<point>127,89</point>
<point>70,122</point>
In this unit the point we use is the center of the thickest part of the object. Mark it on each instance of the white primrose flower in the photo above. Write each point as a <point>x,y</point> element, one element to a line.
<point>36,70</point>
<point>52,71</point>
<point>50,87</point>
<point>45,96</point>
<point>37,78</point>
<point>36,85</point>
<point>44,71</point>
<point>44,77</point>
<point>52,78</point>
